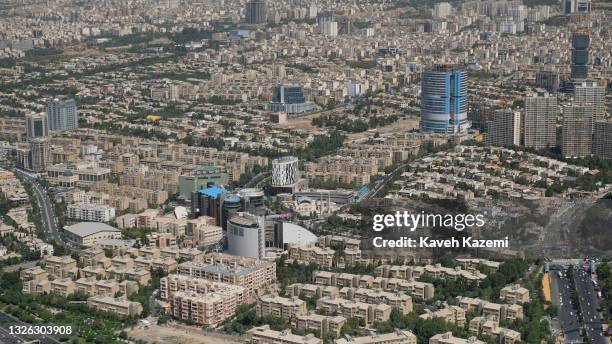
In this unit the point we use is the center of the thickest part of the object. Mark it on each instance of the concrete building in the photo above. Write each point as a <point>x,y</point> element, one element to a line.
<point>91,212</point>
<point>591,93</point>
<point>504,129</point>
<point>202,178</point>
<point>37,125</point>
<point>448,338</point>
<point>290,100</point>
<point>320,323</point>
<point>119,306</point>
<point>246,236</point>
<point>264,335</point>
<point>60,267</point>
<point>62,114</point>
<point>442,10</point>
<point>540,122</point>
<point>577,130</point>
<point>40,154</point>
<point>396,337</point>
<point>329,28</point>
<point>281,307</point>
<point>90,233</point>
<point>514,294</point>
<point>256,12</point>
<point>602,140</point>
<point>253,274</point>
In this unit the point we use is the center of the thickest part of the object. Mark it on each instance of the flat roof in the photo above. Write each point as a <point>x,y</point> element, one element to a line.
<point>84,229</point>
<point>213,191</point>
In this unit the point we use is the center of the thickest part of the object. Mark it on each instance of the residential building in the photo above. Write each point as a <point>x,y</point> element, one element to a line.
<point>119,306</point>
<point>91,212</point>
<point>540,122</point>
<point>504,129</point>
<point>62,114</point>
<point>264,335</point>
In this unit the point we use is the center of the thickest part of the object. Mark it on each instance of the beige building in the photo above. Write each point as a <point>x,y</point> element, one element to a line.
<point>200,300</point>
<point>514,294</point>
<point>118,306</point>
<point>448,338</point>
<point>397,337</point>
<point>60,267</point>
<point>253,274</point>
<point>322,256</point>
<point>282,307</point>
<point>264,335</point>
<point>63,287</point>
<point>320,323</point>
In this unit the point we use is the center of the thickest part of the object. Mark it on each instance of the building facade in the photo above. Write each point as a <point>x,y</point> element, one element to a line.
<point>444,100</point>
<point>62,114</point>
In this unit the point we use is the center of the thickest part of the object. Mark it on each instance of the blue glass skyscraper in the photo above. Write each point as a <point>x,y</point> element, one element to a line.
<point>444,100</point>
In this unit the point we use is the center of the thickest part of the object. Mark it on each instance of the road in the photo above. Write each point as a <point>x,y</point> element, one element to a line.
<point>47,215</point>
<point>7,320</point>
<point>24,265</point>
<point>589,305</point>
<point>256,181</point>
<point>562,298</point>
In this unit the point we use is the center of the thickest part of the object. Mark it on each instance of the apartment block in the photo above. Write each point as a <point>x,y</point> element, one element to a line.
<point>90,256</point>
<point>119,306</point>
<point>397,300</point>
<point>490,310</point>
<point>397,337</point>
<point>321,256</point>
<point>60,267</point>
<point>370,313</point>
<point>540,122</point>
<point>514,294</point>
<point>480,325</point>
<point>264,335</point>
<point>452,314</point>
<point>253,274</point>
<point>478,263</point>
<point>91,212</point>
<point>311,290</point>
<point>448,338</point>
<point>282,307</point>
<point>63,286</point>
<point>320,323</point>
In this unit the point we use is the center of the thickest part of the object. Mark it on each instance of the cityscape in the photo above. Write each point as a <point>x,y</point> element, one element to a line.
<point>306,172</point>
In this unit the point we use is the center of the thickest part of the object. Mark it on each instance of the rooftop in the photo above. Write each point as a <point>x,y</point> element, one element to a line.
<point>84,229</point>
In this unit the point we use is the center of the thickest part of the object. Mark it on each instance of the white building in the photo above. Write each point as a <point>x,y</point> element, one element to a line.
<point>329,28</point>
<point>91,212</point>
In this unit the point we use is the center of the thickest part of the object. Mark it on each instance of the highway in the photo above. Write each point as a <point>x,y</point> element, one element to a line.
<point>6,320</point>
<point>589,305</point>
<point>562,298</point>
<point>257,180</point>
<point>47,214</point>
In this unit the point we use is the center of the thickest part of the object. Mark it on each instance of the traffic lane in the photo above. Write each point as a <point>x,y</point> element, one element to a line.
<point>7,338</point>
<point>7,320</point>
<point>567,310</point>
<point>589,305</point>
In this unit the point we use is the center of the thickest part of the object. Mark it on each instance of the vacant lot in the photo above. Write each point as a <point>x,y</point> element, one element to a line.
<point>163,334</point>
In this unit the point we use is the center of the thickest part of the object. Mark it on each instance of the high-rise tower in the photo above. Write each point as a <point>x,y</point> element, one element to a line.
<point>256,12</point>
<point>580,54</point>
<point>444,100</point>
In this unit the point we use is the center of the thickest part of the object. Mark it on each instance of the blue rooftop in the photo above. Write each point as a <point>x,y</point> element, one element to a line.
<point>213,191</point>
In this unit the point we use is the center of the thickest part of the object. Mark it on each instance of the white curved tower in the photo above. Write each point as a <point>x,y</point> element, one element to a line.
<point>285,171</point>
